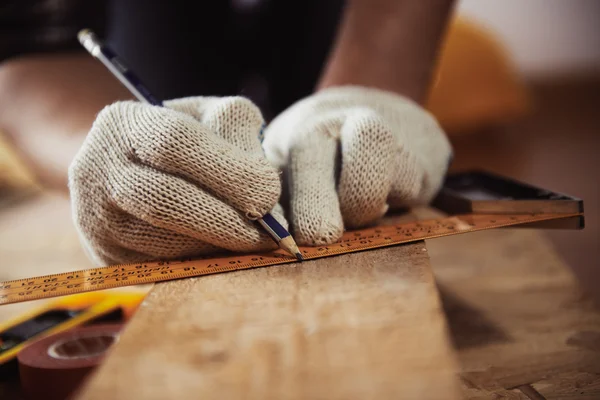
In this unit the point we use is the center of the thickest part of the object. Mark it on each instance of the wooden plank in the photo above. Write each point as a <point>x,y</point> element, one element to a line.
<point>359,326</point>
<point>513,306</point>
<point>519,320</point>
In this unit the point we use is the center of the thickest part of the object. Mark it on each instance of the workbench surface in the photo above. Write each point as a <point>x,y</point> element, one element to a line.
<point>519,322</point>
<point>519,325</point>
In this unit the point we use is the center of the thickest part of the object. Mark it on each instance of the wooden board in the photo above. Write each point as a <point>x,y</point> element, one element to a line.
<point>517,317</point>
<point>359,326</point>
<point>521,325</point>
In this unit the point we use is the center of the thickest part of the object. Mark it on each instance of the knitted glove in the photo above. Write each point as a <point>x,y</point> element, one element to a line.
<point>349,153</point>
<point>152,182</point>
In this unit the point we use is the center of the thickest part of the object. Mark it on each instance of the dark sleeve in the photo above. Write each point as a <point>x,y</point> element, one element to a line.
<point>47,26</point>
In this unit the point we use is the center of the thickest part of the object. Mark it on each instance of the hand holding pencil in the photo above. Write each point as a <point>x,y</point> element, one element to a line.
<point>177,181</point>
<point>184,180</point>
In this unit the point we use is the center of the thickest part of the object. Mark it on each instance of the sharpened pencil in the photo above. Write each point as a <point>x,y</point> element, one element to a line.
<point>115,65</point>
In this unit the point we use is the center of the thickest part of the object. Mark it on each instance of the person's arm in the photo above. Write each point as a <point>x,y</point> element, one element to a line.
<point>47,106</point>
<point>388,44</point>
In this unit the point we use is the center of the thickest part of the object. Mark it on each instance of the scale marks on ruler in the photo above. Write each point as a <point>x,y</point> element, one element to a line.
<point>352,241</point>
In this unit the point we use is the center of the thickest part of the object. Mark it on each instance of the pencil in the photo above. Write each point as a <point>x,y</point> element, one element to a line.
<point>115,65</point>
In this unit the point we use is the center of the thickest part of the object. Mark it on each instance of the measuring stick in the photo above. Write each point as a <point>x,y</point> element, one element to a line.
<point>481,200</point>
<point>133,274</point>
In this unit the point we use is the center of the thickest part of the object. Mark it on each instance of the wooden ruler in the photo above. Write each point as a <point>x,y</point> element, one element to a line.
<point>352,241</point>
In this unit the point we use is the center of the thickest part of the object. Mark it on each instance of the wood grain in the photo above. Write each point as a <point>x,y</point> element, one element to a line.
<point>519,320</point>
<point>360,326</point>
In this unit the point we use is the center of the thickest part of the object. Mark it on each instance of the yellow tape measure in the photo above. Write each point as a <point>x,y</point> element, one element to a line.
<point>352,241</point>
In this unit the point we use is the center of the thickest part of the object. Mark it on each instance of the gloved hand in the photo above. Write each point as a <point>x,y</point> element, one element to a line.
<point>165,182</point>
<point>387,151</point>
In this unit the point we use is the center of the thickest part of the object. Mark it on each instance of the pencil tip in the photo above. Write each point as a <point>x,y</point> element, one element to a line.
<point>291,247</point>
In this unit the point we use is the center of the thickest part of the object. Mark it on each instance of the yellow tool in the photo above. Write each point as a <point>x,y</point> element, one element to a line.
<point>63,314</point>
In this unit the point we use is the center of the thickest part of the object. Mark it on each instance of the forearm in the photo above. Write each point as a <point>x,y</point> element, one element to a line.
<point>47,106</point>
<point>388,44</point>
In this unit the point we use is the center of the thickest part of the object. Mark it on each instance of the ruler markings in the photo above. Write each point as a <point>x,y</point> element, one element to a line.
<point>353,241</point>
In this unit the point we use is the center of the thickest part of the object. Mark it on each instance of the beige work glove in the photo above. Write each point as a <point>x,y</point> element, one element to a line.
<point>387,151</point>
<point>166,182</point>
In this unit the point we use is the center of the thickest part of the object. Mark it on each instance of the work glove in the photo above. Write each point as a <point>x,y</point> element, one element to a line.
<point>182,180</point>
<point>350,153</point>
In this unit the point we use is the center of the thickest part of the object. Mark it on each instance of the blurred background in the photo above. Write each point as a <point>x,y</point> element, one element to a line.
<point>542,123</point>
<point>517,89</point>
<point>546,38</point>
